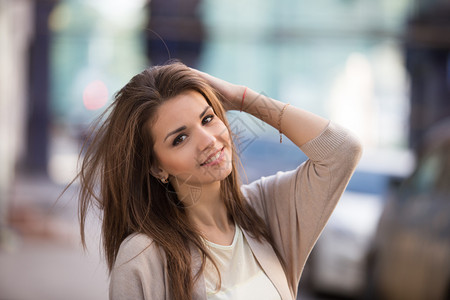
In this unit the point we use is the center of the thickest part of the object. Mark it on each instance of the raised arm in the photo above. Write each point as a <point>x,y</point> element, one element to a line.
<point>299,125</point>
<point>297,204</point>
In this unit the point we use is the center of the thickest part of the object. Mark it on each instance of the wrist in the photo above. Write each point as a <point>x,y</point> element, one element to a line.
<point>232,97</point>
<point>243,99</point>
<point>240,98</point>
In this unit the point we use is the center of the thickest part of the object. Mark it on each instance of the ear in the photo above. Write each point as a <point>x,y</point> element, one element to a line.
<point>157,172</point>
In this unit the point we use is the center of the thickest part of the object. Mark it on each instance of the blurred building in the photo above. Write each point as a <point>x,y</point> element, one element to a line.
<point>341,59</point>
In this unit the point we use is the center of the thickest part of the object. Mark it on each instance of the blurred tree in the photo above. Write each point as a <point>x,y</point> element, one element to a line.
<point>428,63</point>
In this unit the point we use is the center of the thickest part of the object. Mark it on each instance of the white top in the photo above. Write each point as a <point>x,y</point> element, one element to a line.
<point>242,276</point>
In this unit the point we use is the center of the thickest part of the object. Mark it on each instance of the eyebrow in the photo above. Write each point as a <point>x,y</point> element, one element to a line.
<point>175,131</point>
<point>184,127</point>
<point>204,111</point>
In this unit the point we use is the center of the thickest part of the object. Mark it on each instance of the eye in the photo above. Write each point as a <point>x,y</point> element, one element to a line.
<point>179,139</point>
<point>207,119</point>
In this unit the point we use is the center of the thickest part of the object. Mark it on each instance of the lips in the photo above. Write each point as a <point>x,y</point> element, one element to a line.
<point>213,157</point>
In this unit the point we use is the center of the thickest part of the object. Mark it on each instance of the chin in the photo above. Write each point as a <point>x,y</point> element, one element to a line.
<point>217,175</point>
<point>205,177</point>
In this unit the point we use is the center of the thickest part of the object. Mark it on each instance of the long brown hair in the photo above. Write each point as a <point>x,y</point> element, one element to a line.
<point>115,176</point>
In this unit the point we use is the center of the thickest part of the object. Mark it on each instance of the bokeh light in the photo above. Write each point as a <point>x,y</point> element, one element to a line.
<point>95,95</point>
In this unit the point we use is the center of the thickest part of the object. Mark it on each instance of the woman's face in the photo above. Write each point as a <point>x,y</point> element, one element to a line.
<point>191,143</point>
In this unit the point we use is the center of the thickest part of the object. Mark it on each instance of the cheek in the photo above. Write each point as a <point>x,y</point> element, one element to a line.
<point>222,132</point>
<point>176,162</point>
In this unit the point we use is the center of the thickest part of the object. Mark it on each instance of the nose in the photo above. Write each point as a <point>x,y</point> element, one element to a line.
<point>206,139</point>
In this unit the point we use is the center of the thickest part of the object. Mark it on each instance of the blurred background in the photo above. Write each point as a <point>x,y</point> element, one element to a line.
<point>379,67</point>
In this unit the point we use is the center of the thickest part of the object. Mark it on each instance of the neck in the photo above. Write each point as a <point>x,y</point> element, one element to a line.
<point>205,206</point>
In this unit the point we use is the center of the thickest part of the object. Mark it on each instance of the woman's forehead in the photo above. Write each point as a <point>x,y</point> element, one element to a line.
<point>182,104</point>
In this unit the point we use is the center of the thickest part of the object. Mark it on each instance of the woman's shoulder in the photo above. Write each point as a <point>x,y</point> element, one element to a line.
<point>138,247</point>
<point>139,270</point>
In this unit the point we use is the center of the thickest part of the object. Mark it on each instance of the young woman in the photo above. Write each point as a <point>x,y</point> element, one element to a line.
<point>177,223</point>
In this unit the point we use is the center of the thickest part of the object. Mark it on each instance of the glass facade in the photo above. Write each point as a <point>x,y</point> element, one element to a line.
<point>340,59</point>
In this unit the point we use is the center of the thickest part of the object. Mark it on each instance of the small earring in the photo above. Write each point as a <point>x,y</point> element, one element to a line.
<point>164,180</point>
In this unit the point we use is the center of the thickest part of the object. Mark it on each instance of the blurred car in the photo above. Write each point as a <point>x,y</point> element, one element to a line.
<point>412,249</point>
<point>338,262</point>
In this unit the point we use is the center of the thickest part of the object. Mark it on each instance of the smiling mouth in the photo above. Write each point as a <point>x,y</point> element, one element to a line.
<point>213,158</point>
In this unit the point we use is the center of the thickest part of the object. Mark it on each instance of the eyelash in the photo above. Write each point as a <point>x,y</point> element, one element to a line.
<point>181,137</point>
<point>207,117</point>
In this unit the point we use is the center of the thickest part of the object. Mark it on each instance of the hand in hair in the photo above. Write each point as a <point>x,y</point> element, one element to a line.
<point>231,93</point>
<point>275,113</point>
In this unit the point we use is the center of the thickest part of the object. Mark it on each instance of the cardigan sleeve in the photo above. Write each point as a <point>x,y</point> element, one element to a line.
<point>139,271</point>
<point>297,204</point>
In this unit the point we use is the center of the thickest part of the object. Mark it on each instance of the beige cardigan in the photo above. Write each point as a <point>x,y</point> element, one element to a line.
<point>295,205</point>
